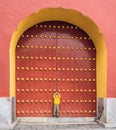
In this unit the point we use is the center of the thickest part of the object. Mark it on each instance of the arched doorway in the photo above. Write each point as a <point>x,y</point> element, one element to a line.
<point>76,18</point>
<point>55,56</point>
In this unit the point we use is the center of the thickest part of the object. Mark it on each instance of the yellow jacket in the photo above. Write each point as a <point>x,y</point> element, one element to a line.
<point>57,99</point>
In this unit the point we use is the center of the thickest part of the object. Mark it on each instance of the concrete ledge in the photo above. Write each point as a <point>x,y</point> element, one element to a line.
<point>60,120</point>
<point>8,126</point>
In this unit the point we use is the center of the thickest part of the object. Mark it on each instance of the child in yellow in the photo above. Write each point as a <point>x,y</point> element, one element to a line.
<point>56,97</point>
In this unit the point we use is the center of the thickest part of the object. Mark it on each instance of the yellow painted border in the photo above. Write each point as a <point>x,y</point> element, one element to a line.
<point>73,17</point>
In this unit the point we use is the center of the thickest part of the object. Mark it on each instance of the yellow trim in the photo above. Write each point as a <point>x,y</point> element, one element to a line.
<point>73,17</point>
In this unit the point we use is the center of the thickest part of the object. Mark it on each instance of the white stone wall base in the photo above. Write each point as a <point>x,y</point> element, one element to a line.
<point>8,126</point>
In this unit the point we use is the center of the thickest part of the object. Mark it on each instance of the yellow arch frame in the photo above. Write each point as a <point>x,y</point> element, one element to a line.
<point>73,17</point>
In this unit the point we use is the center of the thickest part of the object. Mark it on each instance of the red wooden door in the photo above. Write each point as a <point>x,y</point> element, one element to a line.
<point>54,56</point>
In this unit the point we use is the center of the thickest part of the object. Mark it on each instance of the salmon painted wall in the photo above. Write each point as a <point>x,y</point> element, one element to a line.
<point>102,12</point>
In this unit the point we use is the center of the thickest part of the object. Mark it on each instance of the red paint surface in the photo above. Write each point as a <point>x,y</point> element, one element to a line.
<point>12,12</point>
<point>42,68</point>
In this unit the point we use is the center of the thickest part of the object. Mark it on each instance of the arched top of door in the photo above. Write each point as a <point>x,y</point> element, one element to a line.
<point>76,18</point>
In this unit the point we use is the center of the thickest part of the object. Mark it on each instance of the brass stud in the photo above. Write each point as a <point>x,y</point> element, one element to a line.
<point>41,26</point>
<point>68,90</point>
<point>22,35</point>
<point>22,79</point>
<point>41,101</point>
<point>27,46</point>
<point>50,90</point>
<point>31,36</point>
<point>32,90</point>
<point>22,46</point>
<point>32,101</point>
<point>90,111</point>
<point>31,79</point>
<point>85,112</point>
<point>89,101</point>
<point>72,90</point>
<point>31,57</point>
<point>63,79</point>
<point>22,57</point>
<point>45,26</point>
<point>22,101</point>
<point>67,48</point>
<point>41,112</point>
<point>36,90</point>
<point>93,90</point>
<point>36,79</point>
<point>27,112</point>
<point>27,90</point>
<point>27,79</point>
<point>22,90</point>
<point>68,79</point>
<point>93,79</point>
<point>85,38</point>
<point>89,90</point>
<point>76,112</point>
<point>77,90</point>
<point>76,27</point>
<point>85,79</point>
<point>67,58</point>
<point>18,90</point>
<point>41,79</point>
<point>31,112</point>
<point>63,26</point>
<point>63,101</point>
<point>63,69</point>
<point>72,101</point>
<point>54,58</point>
<point>94,101</point>
<point>49,26</point>
<point>67,69</point>
<point>72,111</point>
<point>81,100</point>
<point>36,112</point>
<point>54,79</point>
<point>50,58</point>
<point>85,100</point>
<point>18,101</point>
<point>54,26</point>
<point>85,90</point>
<point>50,79</point>
<point>68,101</point>
<point>63,47</point>
<point>27,35</point>
<point>27,101</point>
<point>71,27</point>
<point>77,101</point>
<point>18,79</point>
<point>22,112</point>
<point>58,47</point>
<point>94,111</point>
<point>36,36</point>
<point>36,68</point>
<point>76,69</point>
<point>67,27</point>
<point>49,101</point>
<point>72,58</point>
<point>41,90</point>
<point>27,68</point>
<point>18,112</point>
<point>81,111</point>
<point>81,90</point>
<point>81,79</point>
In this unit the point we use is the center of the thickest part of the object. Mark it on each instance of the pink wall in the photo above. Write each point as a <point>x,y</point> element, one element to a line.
<point>12,12</point>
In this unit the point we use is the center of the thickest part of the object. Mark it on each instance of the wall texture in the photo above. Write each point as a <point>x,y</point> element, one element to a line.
<point>12,12</point>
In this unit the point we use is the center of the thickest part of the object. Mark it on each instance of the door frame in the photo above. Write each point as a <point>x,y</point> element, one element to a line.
<point>76,18</point>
